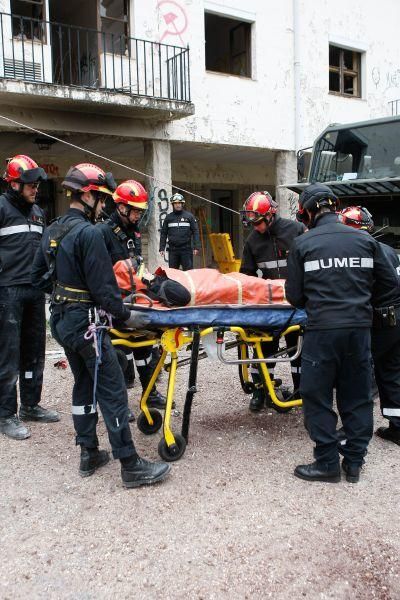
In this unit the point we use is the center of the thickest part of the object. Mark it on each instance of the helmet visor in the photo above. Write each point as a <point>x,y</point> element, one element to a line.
<point>33,175</point>
<point>251,217</point>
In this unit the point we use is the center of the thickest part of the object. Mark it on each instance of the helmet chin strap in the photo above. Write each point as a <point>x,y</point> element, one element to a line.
<point>90,211</point>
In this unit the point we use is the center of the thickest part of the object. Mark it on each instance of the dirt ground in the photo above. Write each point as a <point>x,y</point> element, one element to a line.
<point>230,522</point>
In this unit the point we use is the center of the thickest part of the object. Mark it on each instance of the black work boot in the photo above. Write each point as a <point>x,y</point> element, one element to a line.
<point>131,416</point>
<point>391,434</point>
<point>352,472</point>
<point>318,472</point>
<point>92,459</point>
<point>13,428</point>
<point>157,400</point>
<point>257,401</point>
<point>37,413</point>
<point>136,471</point>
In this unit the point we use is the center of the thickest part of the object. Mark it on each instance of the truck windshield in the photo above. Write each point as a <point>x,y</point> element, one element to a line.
<point>365,152</point>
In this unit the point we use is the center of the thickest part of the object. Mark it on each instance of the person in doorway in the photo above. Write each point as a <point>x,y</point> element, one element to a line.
<point>123,241</point>
<point>74,262</point>
<point>181,231</point>
<point>266,250</point>
<point>385,339</point>
<point>332,271</point>
<point>22,308</point>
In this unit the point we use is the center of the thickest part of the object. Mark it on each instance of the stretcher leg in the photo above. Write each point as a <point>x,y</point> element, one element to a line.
<point>150,419</point>
<point>191,384</point>
<point>269,383</point>
<point>244,375</point>
<point>171,447</point>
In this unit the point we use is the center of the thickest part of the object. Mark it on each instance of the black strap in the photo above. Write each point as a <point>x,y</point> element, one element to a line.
<point>122,237</point>
<point>55,239</point>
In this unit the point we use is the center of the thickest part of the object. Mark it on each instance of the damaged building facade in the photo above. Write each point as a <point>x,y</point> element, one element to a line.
<point>215,97</point>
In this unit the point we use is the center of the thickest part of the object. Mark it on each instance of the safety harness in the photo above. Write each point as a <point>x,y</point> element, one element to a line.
<point>62,293</point>
<point>124,239</point>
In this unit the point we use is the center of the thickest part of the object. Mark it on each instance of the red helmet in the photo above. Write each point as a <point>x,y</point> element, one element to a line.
<point>358,217</point>
<point>132,193</point>
<point>22,169</point>
<point>258,207</point>
<point>86,177</point>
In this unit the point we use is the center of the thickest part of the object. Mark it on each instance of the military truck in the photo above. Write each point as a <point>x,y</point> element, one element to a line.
<point>360,162</point>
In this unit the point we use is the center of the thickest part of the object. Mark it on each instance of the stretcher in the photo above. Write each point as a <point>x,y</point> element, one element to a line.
<point>175,328</point>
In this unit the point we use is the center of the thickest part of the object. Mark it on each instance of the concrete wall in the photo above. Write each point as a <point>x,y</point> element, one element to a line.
<point>260,111</point>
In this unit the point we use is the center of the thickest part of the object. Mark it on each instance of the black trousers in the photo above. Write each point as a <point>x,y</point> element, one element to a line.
<point>68,326</point>
<point>22,346</point>
<point>337,358</point>
<point>180,257</point>
<point>143,359</point>
<point>386,355</point>
<point>270,348</point>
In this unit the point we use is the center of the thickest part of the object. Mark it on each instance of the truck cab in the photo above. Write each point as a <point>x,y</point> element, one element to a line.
<point>360,162</point>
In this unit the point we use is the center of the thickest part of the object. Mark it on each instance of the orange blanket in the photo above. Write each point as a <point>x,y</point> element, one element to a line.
<point>209,286</point>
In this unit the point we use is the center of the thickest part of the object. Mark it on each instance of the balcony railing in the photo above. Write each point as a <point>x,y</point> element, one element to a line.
<point>46,52</point>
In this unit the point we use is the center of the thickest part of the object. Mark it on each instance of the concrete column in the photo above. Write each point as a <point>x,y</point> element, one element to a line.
<point>286,172</point>
<point>157,161</point>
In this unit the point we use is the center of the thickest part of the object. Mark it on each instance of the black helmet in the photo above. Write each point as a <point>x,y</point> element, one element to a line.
<point>313,198</point>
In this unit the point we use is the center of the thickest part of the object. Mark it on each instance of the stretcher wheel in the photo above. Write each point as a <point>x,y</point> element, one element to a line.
<point>248,387</point>
<point>174,452</point>
<point>143,424</point>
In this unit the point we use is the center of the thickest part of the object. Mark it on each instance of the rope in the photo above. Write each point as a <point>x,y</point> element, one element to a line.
<point>114,162</point>
<point>95,332</point>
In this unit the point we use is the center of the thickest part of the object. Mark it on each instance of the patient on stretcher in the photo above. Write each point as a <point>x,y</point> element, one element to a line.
<point>198,287</point>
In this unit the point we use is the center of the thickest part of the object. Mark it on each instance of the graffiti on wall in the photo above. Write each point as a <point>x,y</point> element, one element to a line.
<point>387,80</point>
<point>293,205</point>
<point>163,206</point>
<point>174,18</point>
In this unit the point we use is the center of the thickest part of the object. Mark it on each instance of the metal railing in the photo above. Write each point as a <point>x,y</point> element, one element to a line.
<point>46,52</point>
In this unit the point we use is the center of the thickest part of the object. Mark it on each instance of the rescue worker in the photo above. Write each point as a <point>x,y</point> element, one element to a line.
<point>331,273</point>
<point>266,250</point>
<point>22,308</point>
<point>181,231</point>
<point>123,240</point>
<point>73,255</point>
<point>385,341</point>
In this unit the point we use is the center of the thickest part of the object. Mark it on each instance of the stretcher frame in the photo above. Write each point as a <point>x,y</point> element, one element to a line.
<point>172,446</point>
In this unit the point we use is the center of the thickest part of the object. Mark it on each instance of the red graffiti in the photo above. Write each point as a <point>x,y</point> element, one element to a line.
<point>51,169</point>
<point>175,19</point>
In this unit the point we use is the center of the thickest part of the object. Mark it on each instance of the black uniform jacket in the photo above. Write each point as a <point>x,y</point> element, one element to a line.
<point>331,272</point>
<point>82,262</point>
<point>179,227</point>
<point>121,242</point>
<point>21,229</point>
<point>268,251</point>
<point>382,298</point>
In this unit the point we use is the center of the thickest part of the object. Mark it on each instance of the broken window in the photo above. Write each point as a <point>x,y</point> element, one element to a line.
<point>344,72</point>
<point>114,15</point>
<point>228,45</point>
<point>27,15</point>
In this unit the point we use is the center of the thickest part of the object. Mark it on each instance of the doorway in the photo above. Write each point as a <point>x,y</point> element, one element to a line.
<point>225,221</point>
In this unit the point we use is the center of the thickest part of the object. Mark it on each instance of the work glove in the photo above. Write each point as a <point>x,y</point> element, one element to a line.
<point>137,320</point>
